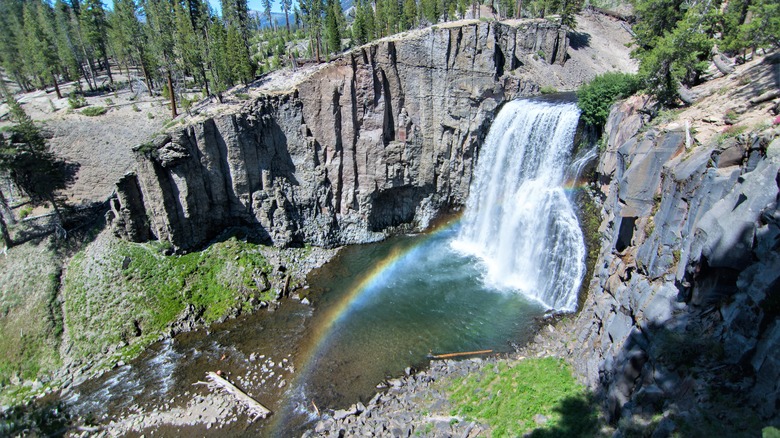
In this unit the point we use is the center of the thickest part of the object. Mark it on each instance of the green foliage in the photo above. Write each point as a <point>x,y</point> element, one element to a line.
<point>138,289</point>
<point>135,108</point>
<point>31,326</point>
<point>76,100</point>
<point>548,89</point>
<point>596,98</point>
<point>508,398</point>
<point>94,111</point>
<point>242,96</point>
<point>24,212</point>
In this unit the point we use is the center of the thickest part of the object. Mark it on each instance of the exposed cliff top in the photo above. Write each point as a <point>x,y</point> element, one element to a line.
<point>599,44</point>
<point>723,104</point>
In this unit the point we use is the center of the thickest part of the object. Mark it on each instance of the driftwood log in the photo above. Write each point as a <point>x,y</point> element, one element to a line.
<point>254,407</point>
<point>463,353</point>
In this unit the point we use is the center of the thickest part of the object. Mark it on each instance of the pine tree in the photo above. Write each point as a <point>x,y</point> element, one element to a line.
<point>332,28</point>
<point>64,39</point>
<point>267,11</point>
<point>240,68</point>
<point>217,57</point>
<point>93,21</point>
<point>188,46</point>
<point>160,22</point>
<point>286,4</point>
<point>430,10</point>
<point>409,15</point>
<point>312,11</point>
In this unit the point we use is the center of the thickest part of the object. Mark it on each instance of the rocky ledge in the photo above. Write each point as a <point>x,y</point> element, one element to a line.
<point>382,139</point>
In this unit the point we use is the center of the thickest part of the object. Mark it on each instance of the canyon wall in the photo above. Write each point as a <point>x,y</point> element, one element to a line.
<point>682,315</point>
<point>384,137</point>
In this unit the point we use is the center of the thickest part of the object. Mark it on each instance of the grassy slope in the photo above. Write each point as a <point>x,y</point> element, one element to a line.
<point>118,298</point>
<point>531,395</point>
<point>30,318</point>
<point>115,289</point>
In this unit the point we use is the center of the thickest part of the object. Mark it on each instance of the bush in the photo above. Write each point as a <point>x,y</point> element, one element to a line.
<point>596,98</point>
<point>24,212</point>
<point>548,89</point>
<point>94,111</point>
<point>76,101</point>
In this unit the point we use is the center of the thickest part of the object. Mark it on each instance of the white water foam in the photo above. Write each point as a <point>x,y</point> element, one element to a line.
<point>518,220</point>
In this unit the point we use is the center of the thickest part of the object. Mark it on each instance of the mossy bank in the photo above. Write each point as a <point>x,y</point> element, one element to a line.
<point>114,298</point>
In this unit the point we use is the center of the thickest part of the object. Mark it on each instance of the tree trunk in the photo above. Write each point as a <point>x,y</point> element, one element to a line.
<point>317,47</point>
<point>5,209</point>
<point>108,70</point>
<point>56,86</point>
<point>4,231</point>
<point>57,212</point>
<point>519,13</point>
<point>146,75</point>
<point>173,95</point>
<point>91,66</point>
<point>287,20</point>
<point>205,79</point>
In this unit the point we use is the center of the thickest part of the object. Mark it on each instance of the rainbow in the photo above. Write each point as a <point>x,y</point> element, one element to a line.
<point>348,302</point>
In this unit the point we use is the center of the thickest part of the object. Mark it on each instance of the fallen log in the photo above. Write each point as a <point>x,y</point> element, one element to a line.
<point>464,353</point>
<point>769,95</point>
<point>254,407</point>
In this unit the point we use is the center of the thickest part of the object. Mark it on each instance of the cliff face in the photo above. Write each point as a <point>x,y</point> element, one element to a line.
<point>682,316</point>
<point>385,136</point>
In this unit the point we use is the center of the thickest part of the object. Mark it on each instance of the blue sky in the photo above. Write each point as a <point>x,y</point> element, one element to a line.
<point>255,5</point>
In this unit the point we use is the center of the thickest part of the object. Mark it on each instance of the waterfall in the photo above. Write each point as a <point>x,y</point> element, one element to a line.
<point>518,219</point>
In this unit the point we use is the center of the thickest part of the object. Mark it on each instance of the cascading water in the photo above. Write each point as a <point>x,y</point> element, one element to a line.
<point>518,220</point>
<point>383,307</point>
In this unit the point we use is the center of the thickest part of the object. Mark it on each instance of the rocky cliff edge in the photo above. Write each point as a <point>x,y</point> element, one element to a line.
<point>381,139</point>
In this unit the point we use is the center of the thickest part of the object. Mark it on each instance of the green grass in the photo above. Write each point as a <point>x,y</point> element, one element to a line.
<point>30,317</point>
<point>94,111</point>
<point>509,397</point>
<point>105,303</point>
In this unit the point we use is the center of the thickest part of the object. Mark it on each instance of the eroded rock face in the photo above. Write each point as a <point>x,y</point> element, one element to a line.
<point>384,137</point>
<point>688,274</point>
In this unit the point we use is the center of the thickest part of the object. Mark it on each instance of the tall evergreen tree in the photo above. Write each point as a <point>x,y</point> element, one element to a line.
<point>286,5</point>
<point>267,11</point>
<point>313,14</point>
<point>240,68</point>
<point>332,27</point>
<point>160,23</point>
<point>95,28</point>
<point>64,39</point>
<point>409,15</point>
<point>189,47</point>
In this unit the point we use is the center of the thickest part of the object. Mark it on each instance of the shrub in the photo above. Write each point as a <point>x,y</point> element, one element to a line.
<point>548,89</point>
<point>242,96</point>
<point>76,101</point>
<point>94,111</point>
<point>24,212</point>
<point>596,98</point>
<point>135,108</point>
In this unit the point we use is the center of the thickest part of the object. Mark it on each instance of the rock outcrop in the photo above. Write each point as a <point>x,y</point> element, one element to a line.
<point>384,137</point>
<point>682,314</point>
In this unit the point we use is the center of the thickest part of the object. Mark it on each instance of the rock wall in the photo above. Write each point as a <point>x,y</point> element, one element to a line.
<point>683,309</point>
<point>384,137</point>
